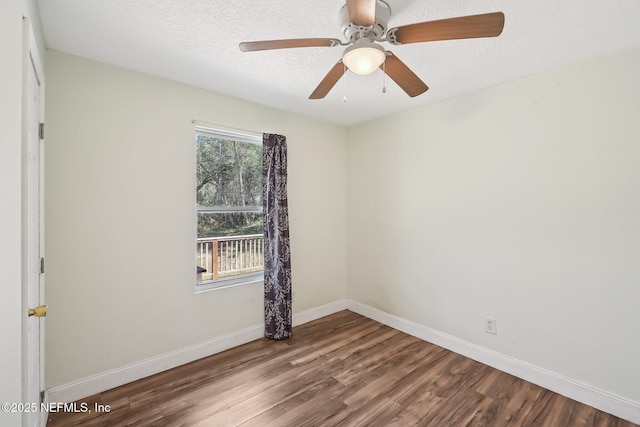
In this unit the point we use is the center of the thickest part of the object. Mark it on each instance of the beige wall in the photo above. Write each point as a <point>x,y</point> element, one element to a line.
<point>11,315</point>
<point>121,222</point>
<point>520,202</point>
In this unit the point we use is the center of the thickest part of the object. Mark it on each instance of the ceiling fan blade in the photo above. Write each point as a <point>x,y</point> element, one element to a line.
<point>287,44</point>
<point>403,76</point>
<point>463,27</point>
<point>329,81</point>
<point>362,12</point>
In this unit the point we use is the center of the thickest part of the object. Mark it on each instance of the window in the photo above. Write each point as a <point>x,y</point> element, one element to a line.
<point>229,248</point>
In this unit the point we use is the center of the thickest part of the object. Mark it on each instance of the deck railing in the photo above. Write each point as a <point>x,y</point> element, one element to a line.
<point>230,256</point>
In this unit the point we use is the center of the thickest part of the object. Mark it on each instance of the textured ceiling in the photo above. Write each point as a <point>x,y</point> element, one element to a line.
<point>196,42</point>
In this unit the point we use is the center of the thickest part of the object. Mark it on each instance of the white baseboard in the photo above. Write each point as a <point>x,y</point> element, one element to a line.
<point>135,371</point>
<point>318,312</point>
<point>604,401</point>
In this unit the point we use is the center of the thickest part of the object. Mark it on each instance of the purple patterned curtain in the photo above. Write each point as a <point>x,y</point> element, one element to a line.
<point>277,254</point>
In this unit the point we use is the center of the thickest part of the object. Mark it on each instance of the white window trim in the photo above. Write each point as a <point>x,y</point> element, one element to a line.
<point>241,136</point>
<point>223,209</point>
<point>238,135</point>
<point>230,282</point>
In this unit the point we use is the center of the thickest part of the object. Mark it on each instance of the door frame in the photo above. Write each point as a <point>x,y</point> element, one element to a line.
<point>31,62</point>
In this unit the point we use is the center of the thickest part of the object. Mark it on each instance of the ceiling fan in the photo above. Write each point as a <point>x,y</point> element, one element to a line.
<point>364,25</point>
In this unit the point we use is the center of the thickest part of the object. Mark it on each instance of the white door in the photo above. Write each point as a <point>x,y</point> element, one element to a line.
<point>32,231</point>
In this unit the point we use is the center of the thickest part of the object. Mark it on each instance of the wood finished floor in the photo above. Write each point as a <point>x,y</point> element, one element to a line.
<point>341,370</point>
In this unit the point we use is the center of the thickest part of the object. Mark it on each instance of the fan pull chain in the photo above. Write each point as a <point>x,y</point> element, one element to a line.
<point>344,84</point>
<point>384,77</point>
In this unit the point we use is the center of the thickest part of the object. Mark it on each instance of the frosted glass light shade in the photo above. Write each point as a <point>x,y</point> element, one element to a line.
<point>364,57</point>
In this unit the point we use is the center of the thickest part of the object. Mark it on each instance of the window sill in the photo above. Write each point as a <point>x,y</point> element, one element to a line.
<point>214,285</point>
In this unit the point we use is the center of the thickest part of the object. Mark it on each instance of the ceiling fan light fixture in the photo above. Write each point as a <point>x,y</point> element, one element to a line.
<point>363,57</point>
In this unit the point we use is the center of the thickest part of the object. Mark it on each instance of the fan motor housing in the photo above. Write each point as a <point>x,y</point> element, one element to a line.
<point>354,32</point>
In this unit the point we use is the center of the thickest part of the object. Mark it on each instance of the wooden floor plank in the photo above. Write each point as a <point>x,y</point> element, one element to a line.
<point>361,366</point>
<point>340,370</point>
<point>416,409</point>
<point>296,410</point>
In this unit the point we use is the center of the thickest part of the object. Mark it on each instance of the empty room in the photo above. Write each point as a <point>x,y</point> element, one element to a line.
<point>279,213</point>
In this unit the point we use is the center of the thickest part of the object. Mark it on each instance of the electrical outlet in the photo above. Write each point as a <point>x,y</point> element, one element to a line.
<point>490,326</point>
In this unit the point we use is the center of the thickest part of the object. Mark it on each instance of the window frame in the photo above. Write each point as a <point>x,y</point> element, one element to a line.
<point>243,136</point>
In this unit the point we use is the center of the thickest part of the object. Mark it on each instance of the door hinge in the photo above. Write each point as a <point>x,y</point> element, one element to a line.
<point>41,396</point>
<point>41,130</point>
<point>42,265</point>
